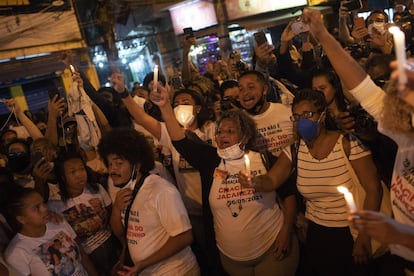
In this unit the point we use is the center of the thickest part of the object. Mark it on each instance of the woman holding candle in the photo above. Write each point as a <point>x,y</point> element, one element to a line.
<point>321,168</point>
<point>246,222</point>
<point>395,120</point>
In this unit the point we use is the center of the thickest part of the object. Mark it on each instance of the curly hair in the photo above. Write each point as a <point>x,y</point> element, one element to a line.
<point>128,144</point>
<point>396,114</point>
<point>246,124</point>
<point>314,96</point>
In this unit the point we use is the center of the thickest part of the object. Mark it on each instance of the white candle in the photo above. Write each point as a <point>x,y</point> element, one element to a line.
<point>247,163</point>
<point>72,68</point>
<point>349,198</point>
<point>155,79</point>
<point>399,45</point>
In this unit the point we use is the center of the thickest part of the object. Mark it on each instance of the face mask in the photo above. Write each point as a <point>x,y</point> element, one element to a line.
<point>184,115</point>
<point>140,101</point>
<point>379,26</point>
<point>231,153</point>
<point>255,110</point>
<point>308,129</point>
<point>18,162</point>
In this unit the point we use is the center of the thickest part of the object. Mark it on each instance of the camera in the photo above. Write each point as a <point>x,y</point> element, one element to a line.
<point>228,103</point>
<point>240,66</point>
<point>358,51</point>
<point>188,32</point>
<point>364,122</point>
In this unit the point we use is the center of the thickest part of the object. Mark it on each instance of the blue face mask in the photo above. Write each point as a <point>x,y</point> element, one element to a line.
<point>308,129</point>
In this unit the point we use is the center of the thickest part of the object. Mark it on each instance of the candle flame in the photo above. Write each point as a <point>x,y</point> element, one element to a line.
<point>246,159</point>
<point>342,189</point>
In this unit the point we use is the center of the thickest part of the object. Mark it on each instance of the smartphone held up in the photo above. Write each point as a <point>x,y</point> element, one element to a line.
<point>353,5</point>
<point>260,38</point>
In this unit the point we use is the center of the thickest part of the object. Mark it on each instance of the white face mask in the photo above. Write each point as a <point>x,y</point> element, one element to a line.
<point>379,26</point>
<point>231,153</point>
<point>140,101</point>
<point>184,115</point>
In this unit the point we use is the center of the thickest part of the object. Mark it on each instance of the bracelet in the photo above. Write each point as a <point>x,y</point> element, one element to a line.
<point>124,94</point>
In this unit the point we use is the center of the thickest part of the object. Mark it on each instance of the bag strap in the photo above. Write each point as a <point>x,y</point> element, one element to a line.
<point>137,187</point>
<point>346,151</point>
<point>125,255</point>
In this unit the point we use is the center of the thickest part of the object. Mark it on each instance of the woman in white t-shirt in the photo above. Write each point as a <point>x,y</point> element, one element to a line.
<point>246,222</point>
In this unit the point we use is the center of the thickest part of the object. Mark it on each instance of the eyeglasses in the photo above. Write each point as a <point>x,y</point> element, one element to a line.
<point>304,115</point>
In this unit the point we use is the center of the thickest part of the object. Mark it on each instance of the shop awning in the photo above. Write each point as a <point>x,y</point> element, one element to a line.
<point>29,34</point>
<point>270,20</point>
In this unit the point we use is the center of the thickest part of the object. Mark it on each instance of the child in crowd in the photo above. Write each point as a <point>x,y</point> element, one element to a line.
<point>87,208</point>
<point>41,247</point>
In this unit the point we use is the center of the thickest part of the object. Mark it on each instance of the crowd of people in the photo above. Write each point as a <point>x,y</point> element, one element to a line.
<point>234,172</point>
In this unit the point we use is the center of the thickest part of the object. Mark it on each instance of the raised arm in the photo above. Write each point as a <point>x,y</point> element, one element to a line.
<point>185,71</point>
<point>275,177</point>
<point>343,30</point>
<point>56,107</point>
<point>162,100</point>
<point>137,113</point>
<point>347,68</point>
<point>33,130</point>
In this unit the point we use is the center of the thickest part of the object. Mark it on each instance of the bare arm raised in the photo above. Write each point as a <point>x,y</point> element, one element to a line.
<point>347,68</point>
<point>137,113</point>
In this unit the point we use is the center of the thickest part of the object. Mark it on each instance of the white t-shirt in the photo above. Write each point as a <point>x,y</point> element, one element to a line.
<point>247,223</point>
<point>157,214</point>
<point>55,253</point>
<point>275,128</point>
<point>318,180</point>
<point>88,216</point>
<point>188,179</point>
<point>402,185</point>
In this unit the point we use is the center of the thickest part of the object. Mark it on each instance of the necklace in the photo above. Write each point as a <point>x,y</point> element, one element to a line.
<point>236,213</point>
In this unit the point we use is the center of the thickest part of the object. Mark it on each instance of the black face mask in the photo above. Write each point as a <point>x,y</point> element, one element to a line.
<point>18,162</point>
<point>255,110</point>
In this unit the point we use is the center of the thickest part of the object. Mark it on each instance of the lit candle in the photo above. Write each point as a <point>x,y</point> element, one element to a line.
<point>155,78</point>
<point>72,68</point>
<point>349,198</point>
<point>247,164</point>
<point>399,45</point>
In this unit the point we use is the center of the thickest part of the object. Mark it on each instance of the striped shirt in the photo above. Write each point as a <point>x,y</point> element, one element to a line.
<point>318,181</point>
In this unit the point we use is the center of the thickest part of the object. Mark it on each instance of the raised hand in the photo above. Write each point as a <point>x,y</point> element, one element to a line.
<point>160,98</point>
<point>118,82</point>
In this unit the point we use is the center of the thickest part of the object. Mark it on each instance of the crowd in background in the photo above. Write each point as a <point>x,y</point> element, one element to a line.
<point>233,172</point>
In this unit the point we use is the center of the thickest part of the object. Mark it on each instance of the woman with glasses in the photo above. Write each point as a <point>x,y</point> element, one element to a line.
<point>321,168</point>
<point>246,222</point>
